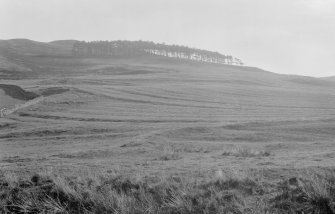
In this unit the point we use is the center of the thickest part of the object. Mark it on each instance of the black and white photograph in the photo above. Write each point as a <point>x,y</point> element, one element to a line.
<point>167,106</point>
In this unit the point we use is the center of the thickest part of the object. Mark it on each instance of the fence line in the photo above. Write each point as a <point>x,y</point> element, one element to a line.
<point>4,111</point>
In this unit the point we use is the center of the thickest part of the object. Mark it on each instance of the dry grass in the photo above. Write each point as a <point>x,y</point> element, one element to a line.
<point>221,192</point>
<point>246,151</point>
<point>311,192</point>
<point>177,151</point>
<point>169,152</point>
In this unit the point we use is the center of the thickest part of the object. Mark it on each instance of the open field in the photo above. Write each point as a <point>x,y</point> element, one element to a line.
<point>154,117</point>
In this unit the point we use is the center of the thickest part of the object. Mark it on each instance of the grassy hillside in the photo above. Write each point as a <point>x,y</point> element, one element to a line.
<point>32,48</point>
<point>19,56</point>
<point>154,117</point>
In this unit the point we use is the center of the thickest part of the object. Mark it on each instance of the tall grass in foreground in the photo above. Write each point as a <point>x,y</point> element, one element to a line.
<point>223,192</point>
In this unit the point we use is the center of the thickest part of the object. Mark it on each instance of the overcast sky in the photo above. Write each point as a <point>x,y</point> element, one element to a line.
<point>283,36</point>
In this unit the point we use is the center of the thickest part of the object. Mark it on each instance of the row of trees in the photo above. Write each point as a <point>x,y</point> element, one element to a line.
<point>132,48</point>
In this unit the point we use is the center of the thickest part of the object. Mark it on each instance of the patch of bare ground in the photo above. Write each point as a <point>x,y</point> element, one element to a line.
<point>17,92</point>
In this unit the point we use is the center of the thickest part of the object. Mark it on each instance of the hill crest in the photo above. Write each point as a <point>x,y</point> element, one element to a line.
<point>113,49</point>
<point>135,48</point>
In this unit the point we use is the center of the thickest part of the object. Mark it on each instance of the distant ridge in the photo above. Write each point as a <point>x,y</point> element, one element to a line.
<point>26,47</point>
<point>32,48</point>
<point>130,48</point>
<point>330,78</point>
<point>26,59</point>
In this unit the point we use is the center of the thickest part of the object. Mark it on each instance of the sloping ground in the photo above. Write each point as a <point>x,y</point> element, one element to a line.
<point>127,113</point>
<point>331,78</point>
<point>29,47</point>
<point>17,56</point>
<point>54,59</point>
<point>10,65</point>
<point>122,113</point>
<point>154,117</point>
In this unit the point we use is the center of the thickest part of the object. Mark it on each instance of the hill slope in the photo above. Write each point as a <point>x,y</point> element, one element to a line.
<point>331,78</point>
<point>18,55</point>
<point>29,47</point>
<point>22,58</point>
<point>238,129</point>
<point>117,112</point>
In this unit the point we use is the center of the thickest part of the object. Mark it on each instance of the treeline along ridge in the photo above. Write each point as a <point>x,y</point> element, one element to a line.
<point>133,48</point>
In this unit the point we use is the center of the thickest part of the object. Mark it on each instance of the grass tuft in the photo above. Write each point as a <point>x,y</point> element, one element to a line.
<point>311,192</point>
<point>232,191</point>
<point>246,151</point>
<point>169,152</point>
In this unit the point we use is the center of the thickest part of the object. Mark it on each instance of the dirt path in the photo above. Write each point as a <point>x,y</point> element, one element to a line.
<point>4,111</point>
